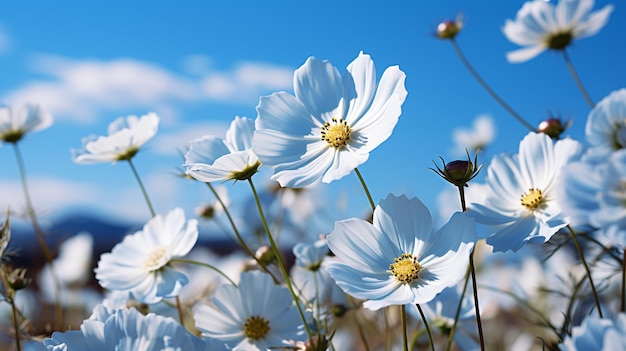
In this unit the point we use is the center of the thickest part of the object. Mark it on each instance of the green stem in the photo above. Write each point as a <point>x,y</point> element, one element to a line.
<point>143,189</point>
<point>623,304</point>
<point>279,259</point>
<point>405,338</point>
<point>579,82</point>
<point>242,242</point>
<point>478,320</point>
<point>202,264</point>
<point>16,325</point>
<point>367,192</point>
<point>486,86</point>
<point>179,308</point>
<point>430,335</point>
<point>40,238</point>
<point>584,262</point>
<point>472,270</point>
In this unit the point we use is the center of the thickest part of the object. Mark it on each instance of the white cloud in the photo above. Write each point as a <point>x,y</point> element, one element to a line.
<point>48,195</point>
<point>246,81</point>
<point>78,90</point>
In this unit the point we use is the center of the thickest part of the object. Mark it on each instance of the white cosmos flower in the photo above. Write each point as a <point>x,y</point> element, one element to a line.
<point>331,124</point>
<point>141,262</point>
<point>606,125</point>
<point>256,315</point>
<point>597,334</point>
<point>212,159</point>
<point>128,330</point>
<point>126,136</point>
<point>398,259</point>
<point>521,201</point>
<point>16,121</point>
<point>478,137</point>
<point>540,25</point>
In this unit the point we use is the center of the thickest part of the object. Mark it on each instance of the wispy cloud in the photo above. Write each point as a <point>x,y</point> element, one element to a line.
<point>78,90</point>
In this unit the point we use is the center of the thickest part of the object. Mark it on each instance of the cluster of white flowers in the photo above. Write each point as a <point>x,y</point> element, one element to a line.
<point>543,198</point>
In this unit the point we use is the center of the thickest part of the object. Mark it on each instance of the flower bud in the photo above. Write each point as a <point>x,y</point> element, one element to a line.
<point>17,279</point>
<point>265,255</point>
<point>448,29</point>
<point>458,172</point>
<point>553,127</point>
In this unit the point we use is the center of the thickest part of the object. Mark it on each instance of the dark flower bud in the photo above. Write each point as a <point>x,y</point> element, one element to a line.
<point>459,172</point>
<point>553,127</point>
<point>17,279</point>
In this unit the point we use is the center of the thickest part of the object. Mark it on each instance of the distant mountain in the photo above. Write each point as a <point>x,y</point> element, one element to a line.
<point>106,233</point>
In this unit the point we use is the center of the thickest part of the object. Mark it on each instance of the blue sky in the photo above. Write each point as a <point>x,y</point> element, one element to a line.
<point>198,64</point>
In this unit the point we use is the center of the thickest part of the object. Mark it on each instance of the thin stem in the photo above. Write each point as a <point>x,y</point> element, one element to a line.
<point>478,320</point>
<point>584,262</point>
<point>472,270</point>
<point>623,304</point>
<point>10,297</point>
<point>16,325</point>
<point>40,237</point>
<point>206,265</point>
<point>181,315</point>
<point>430,335</point>
<point>458,309</point>
<point>484,84</point>
<point>405,338</point>
<point>579,82</point>
<point>242,243</point>
<point>279,259</point>
<point>143,189</point>
<point>367,192</point>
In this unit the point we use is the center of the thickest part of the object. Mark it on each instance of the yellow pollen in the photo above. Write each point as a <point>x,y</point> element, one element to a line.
<point>405,268</point>
<point>532,199</point>
<point>156,259</point>
<point>336,133</point>
<point>256,327</point>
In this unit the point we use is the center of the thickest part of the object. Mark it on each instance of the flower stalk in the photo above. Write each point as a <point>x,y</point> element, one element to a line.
<point>579,82</point>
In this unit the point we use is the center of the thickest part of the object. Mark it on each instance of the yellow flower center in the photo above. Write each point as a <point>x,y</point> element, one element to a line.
<point>405,268</point>
<point>532,199</point>
<point>156,259</point>
<point>336,133</point>
<point>256,327</point>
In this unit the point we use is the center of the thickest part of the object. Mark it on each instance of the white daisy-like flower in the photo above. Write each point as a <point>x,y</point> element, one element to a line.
<point>211,159</point>
<point>128,329</point>
<point>521,202</point>
<point>17,121</point>
<point>256,315</point>
<point>331,124</point>
<point>141,262</point>
<point>310,255</point>
<point>606,125</point>
<point>126,136</point>
<point>596,193</point>
<point>540,25</point>
<point>597,334</point>
<point>478,137</point>
<point>398,259</point>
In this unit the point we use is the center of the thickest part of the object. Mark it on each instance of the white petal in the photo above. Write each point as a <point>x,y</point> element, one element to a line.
<point>525,54</point>
<point>239,135</point>
<point>403,220</point>
<point>318,85</point>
